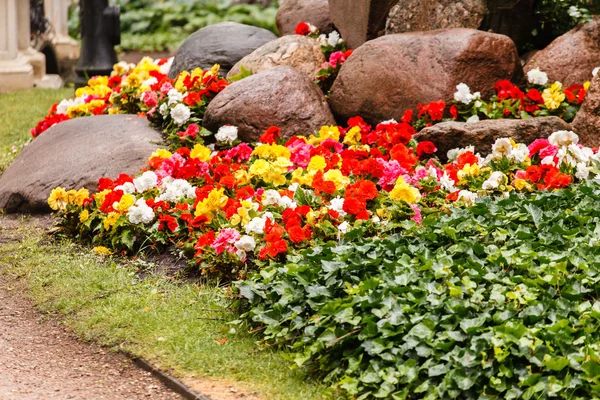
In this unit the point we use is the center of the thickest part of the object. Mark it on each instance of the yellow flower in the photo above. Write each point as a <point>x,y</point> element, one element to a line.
<point>83,216</point>
<point>114,110</point>
<point>586,85</point>
<point>58,199</point>
<point>242,177</point>
<point>213,202</point>
<point>258,168</point>
<point>272,151</point>
<point>101,196</point>
<point>521,184</point>
<point>110,220</point>
<point>80,196</point>
<point>553,96</point>
<point>102,251</point>
<point>162,153</point>
<point>98,81</point>
<point>200,152</point>
<point>317,163</point>
<point>336,176</point>
<point>298,176</point>
<point>353,136</point>
<point>132,80</point>
<point>469,170</point>
<point>404,191</point>
<point>326,132</point>
<point>235,219</point>
<point>127,200</point>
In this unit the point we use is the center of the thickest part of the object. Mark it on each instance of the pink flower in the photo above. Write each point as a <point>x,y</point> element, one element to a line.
<point>337,58</point>
<point>417,217</point>
<point>521,174</point>
<point>164,89</point>
<point>150,98</point>
<point>226,240</point>
<point>300,152</point>
<point>242,151</point>
<point>391,171</point>
<point>169,165</point>
<point>549,151</point>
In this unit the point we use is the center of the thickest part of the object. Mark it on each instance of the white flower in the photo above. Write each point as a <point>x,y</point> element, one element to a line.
<point>581,154</point>
<point>148,180</point>
<point>473,119</point>
<point>463,94</point>
<point>493,181</point>
<point>389,121</point>
<point>150,81</point>
<point>140,213</point>
<point>520,153</point>
<point>595,71</point>
<point>447,183</point>
<point>163,109</point>
<point>175,96</point>
<point>271,197</point>
<point>286,202</point>
<point>256,225</point>
<point>164,69</point>
<point>343,228</point>
<point>243,245</point>
<point>333,39</point>
<point>455,153</point>
<point>127,188</point>
<point>583,171</point>
<point>180,114</point>
<point>174,190</point>
<point>501,147</point>
<point>537,77</point>
<point>64,105</point>
<point>467,196</point>
<point>563,138</point>
<point>293,187</point>
<point>549,160</point>
<point>227,133</point>
<point>337,205</point>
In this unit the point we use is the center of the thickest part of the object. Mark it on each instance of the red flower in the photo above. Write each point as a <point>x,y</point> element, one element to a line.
<point>271,135</point>
<point>322,185</point>
<point>506,112</point>
<point>407,117</point>
<point>167,221</point>
<point>466,158</point>
<point>354,205</point>
<point>298,234</point>
<point>454,111</point>
<point>404,156</point>
<point>425,148</point>
<point>435,110</point>
<point>303,29</point>
<point>575,94</point>
<point>364,189</point>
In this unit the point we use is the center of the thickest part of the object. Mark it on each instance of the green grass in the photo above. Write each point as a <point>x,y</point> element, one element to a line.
<point>19,112</point>
<point>173,324</point>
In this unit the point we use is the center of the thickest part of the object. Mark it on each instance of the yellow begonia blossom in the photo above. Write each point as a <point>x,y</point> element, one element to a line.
<point>215,200</point>
<point>258,168</point>
<point>110,220</point>
<point>58,199</point>
<point>127,200</point>
<point>317,163</point>
<point>353,136</point>
<point>98,81</point>
<point>336,176</point>
<point>271,151</point>
<point>553,96</point>
<point>404,191</point>
<point>84,216</point>
<point>162,153</point>
<point>242,177</point>
<point>521,184</point>
<point>587,85</point>
<point>469,170</point>
<point>200,152</point>
<point>299,177</point>
<point>132,81</point>
<point>326,132</point>
<point>102,251</point>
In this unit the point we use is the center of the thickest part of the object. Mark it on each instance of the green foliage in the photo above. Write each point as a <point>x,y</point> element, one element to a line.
<point>150,25</point>
<point>560,16</point>
<point>496,301</point>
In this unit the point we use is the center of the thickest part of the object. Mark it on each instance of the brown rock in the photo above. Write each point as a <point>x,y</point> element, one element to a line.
<point>387,76</point>
<point>483,134</point>
<point>360,20</point>
<point>571,58</point>
<point>75,154</point>
<point>296,51</point>
<point>587,120</point>
<point>281,96</point>
<point>292,12</point>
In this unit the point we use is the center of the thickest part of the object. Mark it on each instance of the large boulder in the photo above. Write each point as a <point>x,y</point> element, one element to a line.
<point>571,58</point>
<point>225,44</point>
<point>513,18</point>
<point>296,51</point>
<point>387,76</point>
<point>75,154</point>
<point>587,120</point>
<point>292,12</point>
<point>360,20</point>
<point>482,134</point>
<point>281,96</point>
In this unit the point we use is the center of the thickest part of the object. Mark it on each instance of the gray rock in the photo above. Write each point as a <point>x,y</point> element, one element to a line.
<point>483,134</point>
<point>387,76</point>
<point>296,51</point>
<point>292,12</point>
<point>225,44</point>
<point>281,96</point>
<point>75,154</point>
<point>587,121</point>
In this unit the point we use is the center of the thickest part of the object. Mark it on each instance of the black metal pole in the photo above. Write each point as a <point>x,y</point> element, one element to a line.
<point>100,32</point>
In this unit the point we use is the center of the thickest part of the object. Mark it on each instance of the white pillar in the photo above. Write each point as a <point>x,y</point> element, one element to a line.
<point>67,48</point>
<point>15,71</point>
<point>36,59</point>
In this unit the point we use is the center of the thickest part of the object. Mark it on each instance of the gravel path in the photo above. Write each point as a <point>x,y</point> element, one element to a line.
<point>40,360</point>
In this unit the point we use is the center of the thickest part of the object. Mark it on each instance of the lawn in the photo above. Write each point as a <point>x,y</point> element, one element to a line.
<point>181,327</point>
<point>19,112</point>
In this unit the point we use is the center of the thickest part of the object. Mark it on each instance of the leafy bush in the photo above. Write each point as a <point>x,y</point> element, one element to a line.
<point>559,16</point>
<point>149,25</point>
<point>499,300</point>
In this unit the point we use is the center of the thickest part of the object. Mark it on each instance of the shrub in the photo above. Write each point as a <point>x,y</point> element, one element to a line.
<point>499,300</point>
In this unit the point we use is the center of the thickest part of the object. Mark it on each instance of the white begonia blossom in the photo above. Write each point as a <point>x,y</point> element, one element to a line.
<point>65,104</point>
<point>583,171</point>
<point>549,160</point>
<point>520,153</point>
<point>389,121</point>
<point>333,39</point>
<point>148,180</point>
<point>343,228</point>
<point>337,205</point>
<point>150,81</point>
<point>163,109</point>
<point>175,96</point>
<point>563,138</point>
<point>580,153</point>
<point>271,197</point>
<point>244,245</point>
<point>227,133</point>
<point>501,147</point>
<point>447,183</point>
<point>467,196</point>
<point>140,213</point>
<point>564,156</point>
<point>537,77</point>
<point>473,119</point>
<point>256,225</point>
<point>127,188</point>
<point>180,114</point>
<point>493,181</point>
<point>293,187</point>
<point>595,71</point>
<point>286,202</point>
<point>164,69</point>
<point>177,189</point>
<point>463,94</point>
<point>455,153</point>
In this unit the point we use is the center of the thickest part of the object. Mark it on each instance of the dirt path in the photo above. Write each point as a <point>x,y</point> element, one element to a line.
<point>39,360</point>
